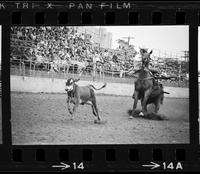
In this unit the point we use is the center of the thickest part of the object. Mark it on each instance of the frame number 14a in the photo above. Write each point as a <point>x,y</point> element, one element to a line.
<point>165,166</point>
<point>172,166</point>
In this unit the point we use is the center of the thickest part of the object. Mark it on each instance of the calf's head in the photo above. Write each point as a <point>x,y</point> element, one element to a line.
<point>69,85</point>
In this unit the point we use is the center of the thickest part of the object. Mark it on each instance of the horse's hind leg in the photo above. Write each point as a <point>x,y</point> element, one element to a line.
<point>157,107</point>
<point>135,103</point>
<point>95,109</point>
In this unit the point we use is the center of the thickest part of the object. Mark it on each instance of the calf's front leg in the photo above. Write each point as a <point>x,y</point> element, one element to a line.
<point>74,108</point>
<point>136,93</point>
<point>68,105</point>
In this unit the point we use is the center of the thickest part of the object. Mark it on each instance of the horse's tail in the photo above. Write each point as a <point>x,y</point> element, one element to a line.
<point>105,84</point>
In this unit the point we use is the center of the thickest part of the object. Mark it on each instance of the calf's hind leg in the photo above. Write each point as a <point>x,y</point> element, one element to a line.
<point>95,110</point>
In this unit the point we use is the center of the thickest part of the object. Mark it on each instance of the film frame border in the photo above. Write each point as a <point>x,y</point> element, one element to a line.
<point>75,152</point>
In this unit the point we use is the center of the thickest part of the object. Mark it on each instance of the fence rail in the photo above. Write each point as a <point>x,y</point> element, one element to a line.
<point>34,68</point>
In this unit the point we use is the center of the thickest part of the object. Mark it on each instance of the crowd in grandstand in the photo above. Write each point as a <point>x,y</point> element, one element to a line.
<point>63,44</point>
<point>55,44</point>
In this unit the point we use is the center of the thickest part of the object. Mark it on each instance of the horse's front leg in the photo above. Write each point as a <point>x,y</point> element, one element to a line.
<point>136,93</point>
<point>144,103</point>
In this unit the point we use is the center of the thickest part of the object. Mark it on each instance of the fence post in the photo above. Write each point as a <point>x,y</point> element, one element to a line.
<point>64,69</point>
<point>68,70</point>
<point>94,71</point>
<point>52,75</point>
<point>34,70</point>
<point>179,75</point>
<point>30,68</point>
<point>23,71</point>
<point>121,73</point>
<point>20,67</point>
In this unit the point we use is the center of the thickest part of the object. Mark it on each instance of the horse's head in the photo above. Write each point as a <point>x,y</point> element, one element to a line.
<point>146,57</point>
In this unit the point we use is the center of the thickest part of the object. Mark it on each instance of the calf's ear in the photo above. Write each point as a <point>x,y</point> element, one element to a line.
<point>151,52</point>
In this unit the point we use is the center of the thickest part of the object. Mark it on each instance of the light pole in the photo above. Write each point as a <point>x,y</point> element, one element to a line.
<point>129,38</point>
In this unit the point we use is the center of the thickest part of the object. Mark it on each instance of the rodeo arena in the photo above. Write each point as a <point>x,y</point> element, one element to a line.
<point>69,86</point>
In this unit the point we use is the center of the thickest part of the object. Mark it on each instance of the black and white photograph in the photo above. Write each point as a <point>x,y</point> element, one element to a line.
<point>74,85</point>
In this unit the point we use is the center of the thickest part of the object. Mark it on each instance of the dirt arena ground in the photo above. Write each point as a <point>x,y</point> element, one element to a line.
<point>44,119</point>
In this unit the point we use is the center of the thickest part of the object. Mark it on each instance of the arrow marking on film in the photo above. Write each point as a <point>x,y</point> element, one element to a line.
<point>152,165</point>
<point>63,166</point>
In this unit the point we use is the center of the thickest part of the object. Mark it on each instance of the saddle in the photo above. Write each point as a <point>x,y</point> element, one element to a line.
<point>152,75</point>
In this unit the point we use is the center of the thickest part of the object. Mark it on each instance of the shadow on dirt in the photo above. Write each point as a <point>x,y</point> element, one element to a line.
<point>149,115</point>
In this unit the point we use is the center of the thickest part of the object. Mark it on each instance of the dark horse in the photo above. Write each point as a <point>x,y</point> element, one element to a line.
<point>144,83</point>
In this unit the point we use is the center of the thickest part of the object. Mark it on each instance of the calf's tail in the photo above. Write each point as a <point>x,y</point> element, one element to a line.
<point>166,92</point>
<point>98,88</point>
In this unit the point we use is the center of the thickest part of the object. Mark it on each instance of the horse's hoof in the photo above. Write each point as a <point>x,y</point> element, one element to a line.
<point>97,121</point>
<point>141,114</point>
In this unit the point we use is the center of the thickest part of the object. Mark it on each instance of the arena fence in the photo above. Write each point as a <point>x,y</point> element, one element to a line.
<point>57,86</point>
<point>45,69</point>
<point>33,68</point>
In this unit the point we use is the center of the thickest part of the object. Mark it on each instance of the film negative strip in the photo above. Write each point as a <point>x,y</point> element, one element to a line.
<point>134,63</point>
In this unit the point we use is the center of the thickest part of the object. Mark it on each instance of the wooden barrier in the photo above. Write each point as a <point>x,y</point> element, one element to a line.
<point>53,85</point>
